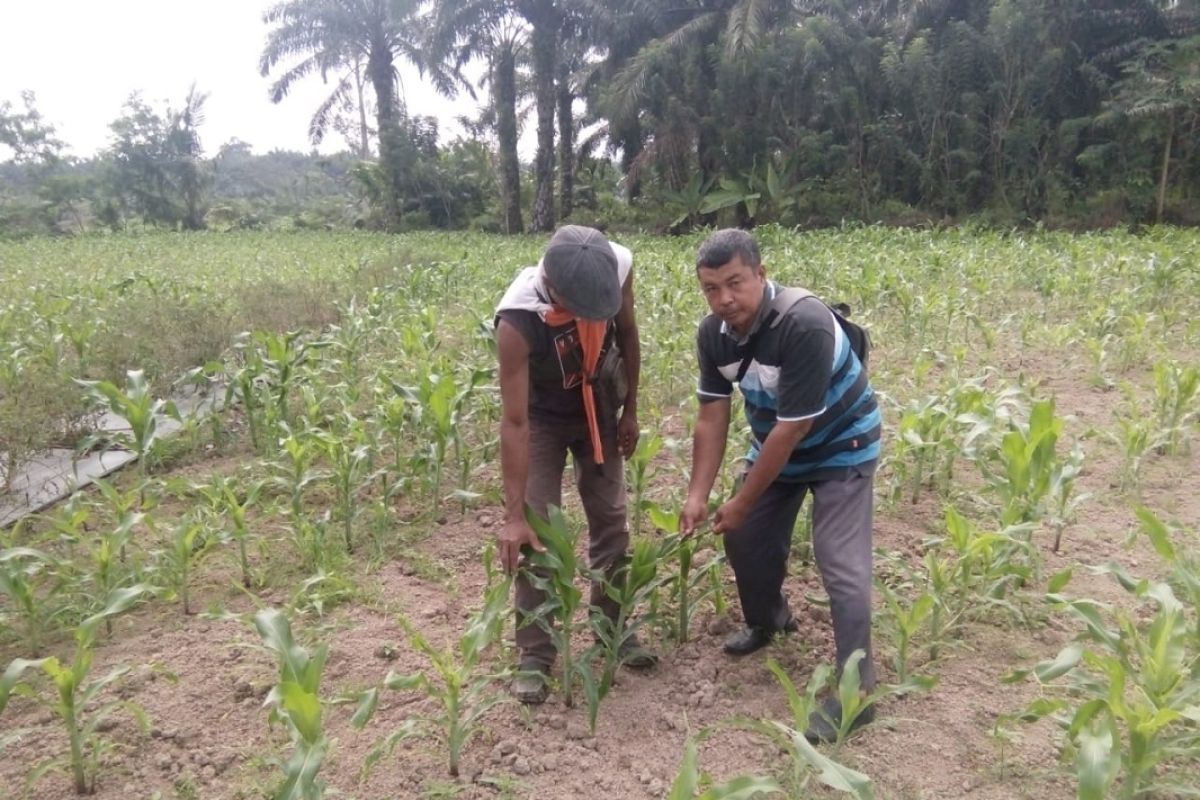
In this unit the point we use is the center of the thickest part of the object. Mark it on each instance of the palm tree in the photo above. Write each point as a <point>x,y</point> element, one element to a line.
<point>462,30</point>
<point>544,18</point>
<point>332,36</point>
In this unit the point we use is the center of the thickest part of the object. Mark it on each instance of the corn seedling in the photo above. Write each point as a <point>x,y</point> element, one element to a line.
<point>186,545</point>
<point>1184,559</point>
<point>283,357</point>
<point>141,412</point>
<point>75,694</point>
<point>689,586</point>
<point>31,580</point>
<point>638,467</point>
<point>629,587</point>
<point>350,457</point>
<point>227,500</point>
<point>1136,437</point>
<point>554,571</point>
<point>691,784</point>
<point>1176,404</point>
<point>807,762</point>
<point>292,473</point>
<point>1130,704</point>
<point>905,621</point>
<point>1029,465</point>
<point>247,385</point>
<point>109,562</point>
<point>456,681</point>
<point>295,699</point>
<point>439,403</point>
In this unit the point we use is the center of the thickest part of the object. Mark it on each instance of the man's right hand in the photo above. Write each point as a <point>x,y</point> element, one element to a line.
<point>516,533</point>
<point>694,512</point>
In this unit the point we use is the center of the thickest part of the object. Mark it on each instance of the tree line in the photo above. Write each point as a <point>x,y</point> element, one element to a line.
<point>676,113</point>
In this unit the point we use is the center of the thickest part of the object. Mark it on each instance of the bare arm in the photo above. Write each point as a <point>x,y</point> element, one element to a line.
<point>708,450</point>
<point>629,341</point>
<point>514,442</point>
<point>774,454</point>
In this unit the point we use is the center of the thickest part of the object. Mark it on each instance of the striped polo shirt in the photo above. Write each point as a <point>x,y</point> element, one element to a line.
<point>803,368</point>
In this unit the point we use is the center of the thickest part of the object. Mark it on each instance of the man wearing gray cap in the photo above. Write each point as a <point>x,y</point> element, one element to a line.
<point>556,325</point>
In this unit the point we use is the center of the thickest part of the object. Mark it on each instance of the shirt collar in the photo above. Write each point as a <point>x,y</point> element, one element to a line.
<point>764,308</point>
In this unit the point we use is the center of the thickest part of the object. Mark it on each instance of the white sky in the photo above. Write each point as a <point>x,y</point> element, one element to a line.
<point>83,58</point>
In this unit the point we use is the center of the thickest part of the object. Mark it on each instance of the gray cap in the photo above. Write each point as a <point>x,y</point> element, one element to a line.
<point>582,266</point>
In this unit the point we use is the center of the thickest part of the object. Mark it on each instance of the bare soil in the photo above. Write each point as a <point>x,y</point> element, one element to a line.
<point>203,678</point>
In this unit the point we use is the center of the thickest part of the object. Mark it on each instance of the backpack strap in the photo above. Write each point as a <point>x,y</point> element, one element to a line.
<point>781,303</point>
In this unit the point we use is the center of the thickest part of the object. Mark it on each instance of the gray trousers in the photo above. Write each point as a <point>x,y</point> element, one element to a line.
<point>602,490</point>
<point>843,511</point>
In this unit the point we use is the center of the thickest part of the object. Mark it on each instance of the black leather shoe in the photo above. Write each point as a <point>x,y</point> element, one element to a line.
<point>747,640</point>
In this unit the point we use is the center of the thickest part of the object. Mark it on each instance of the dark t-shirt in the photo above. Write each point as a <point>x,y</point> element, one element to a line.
<point>555,365</point>
<point>803,368</point>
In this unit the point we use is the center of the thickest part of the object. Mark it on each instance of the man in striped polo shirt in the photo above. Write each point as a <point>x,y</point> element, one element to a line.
<point>815,426</point>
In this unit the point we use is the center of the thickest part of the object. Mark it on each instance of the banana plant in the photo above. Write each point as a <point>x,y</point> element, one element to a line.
<point>74,704</point>
<point>296,701</point>
<point>137,407</point>
<point>456,680</point>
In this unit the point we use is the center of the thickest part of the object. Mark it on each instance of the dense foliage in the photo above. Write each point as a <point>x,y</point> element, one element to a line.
<point>669,114</point>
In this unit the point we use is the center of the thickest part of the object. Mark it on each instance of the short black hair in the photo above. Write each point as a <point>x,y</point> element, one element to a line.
<point>726,244</point>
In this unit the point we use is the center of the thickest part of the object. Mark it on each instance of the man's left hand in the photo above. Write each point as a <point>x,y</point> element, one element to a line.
<point>627,433</point>
<point>730,516</point>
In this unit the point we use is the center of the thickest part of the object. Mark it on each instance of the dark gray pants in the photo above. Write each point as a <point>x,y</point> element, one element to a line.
<point>602,490</point>
<point>843,511</point>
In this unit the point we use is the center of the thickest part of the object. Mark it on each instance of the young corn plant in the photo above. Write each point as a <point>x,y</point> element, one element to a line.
<point>640,473</point>
<point>284,356</point>
<point>109,564</point>
<point>457,681</point>
<point>905,621</point>
<point>228,500</point>
<point>808,763</point>
<point>32,580</point>
<point>247,385</point>
<point>1176,405</point>
<point>351,458</point>
<point>1030,469</point>
<point>629,588</point>
<point>292,473</point>
<point>970,573</point>
<point>74,704</point>
<point>1129,701</point>
<point>185,546</point>
<point>296,701</point>
<point>439,403</point>
<point>1180,549</point>
<point>555,571</point>
<point>140,411</point>
<point>689,587</point>
<point>692,784</point>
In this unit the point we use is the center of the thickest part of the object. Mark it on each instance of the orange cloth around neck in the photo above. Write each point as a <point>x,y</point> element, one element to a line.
<point>591,341</point>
